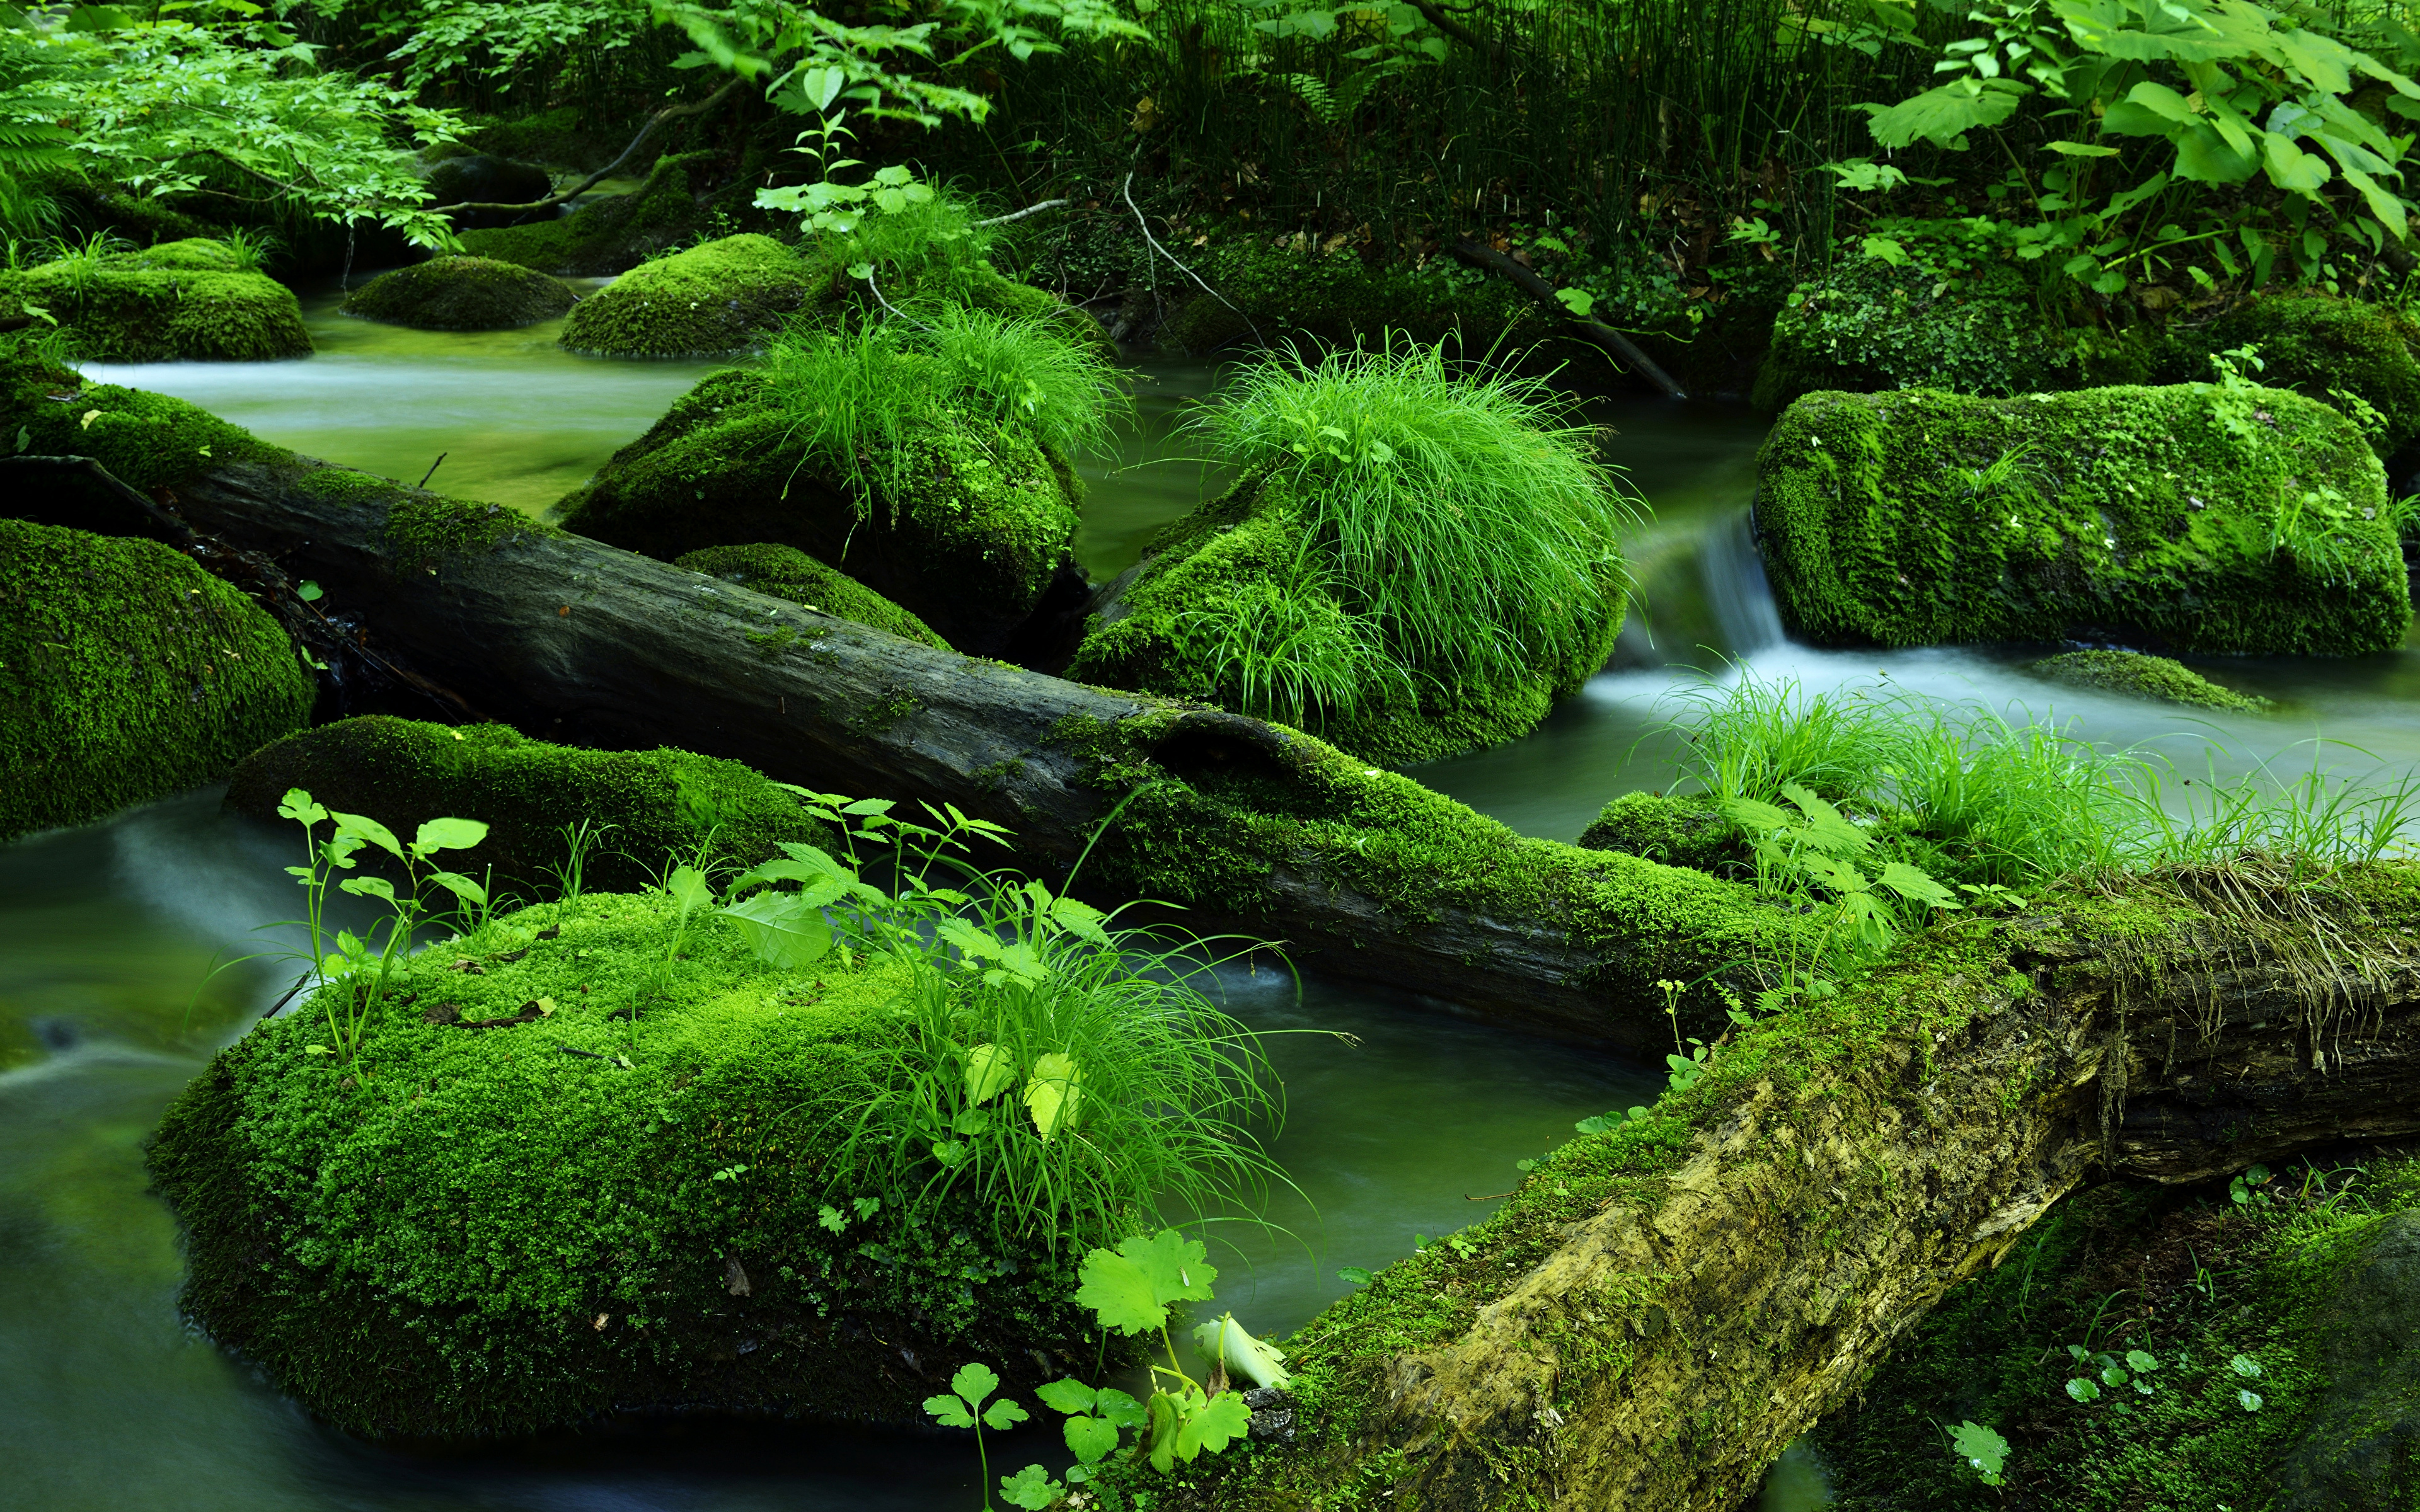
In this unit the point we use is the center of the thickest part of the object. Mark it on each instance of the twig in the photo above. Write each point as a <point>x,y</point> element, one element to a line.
<point>1490,1197</point>
<point>1530,282</point>
<point>433,469</point>
<point>670,112</point>
<point>1125,192</point>
<point>1019,215</point>
<point>1438,17</point>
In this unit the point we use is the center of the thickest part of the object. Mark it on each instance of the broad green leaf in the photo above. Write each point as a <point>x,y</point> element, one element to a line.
<point>1052,1093</point>
<point>831,1219</point>
<point>783,928</point>
<point>2292,169</point>
<point>1980,1446</point>
<point>1159,1435</point>
<point>1751,814</point>
<point>2140,1361</point>
<point>1129,1289</point>
<point>1120,1410</point>
<point>948,1412</point>
<point>810,856</point>
<point>2204,156</point>
<point>1068,1396</point>
<point>1214,1424</point>
<point>975,1381</point>
<point>2160,100</point>
<point>2083,1389</point>
<point>448,835</point>
<point>1004,1415</point>
<point>1943,116</point>
<point>460,887</point>
<point>689,889</point>
<point>2387,206</point>
<point>300,806</point>
<point>2079,150</point>
<point>1090,1438</point>
<point>1080,919</point>
<point>989,1070</point>
<point>369,829</point>
<point>368,887</point>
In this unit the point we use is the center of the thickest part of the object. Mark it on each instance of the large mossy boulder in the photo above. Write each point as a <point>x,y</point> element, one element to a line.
<point>483,1232</point>
<point>2195,518</point>
<point>127,673</point>
<point>609,235</point>
<point>2349,353</point>
<point>786,572</point>
<point>981,528</point>
<point>721,297</point>
<point>641,806</point>
<point>463,294</point>
<point>2143,1348</point>
<point>189,300</point>
<point>1166,627</point>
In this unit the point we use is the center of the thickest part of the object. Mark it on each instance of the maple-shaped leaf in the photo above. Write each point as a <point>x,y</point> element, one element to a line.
<point>1129,1290</point>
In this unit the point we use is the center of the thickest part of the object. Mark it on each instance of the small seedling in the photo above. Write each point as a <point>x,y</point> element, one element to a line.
<point>963,1408</point>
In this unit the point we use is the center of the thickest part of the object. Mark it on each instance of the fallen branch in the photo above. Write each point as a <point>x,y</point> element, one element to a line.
<point>1019,215</point>
<point>1530,282</point>
<point>653,123</point>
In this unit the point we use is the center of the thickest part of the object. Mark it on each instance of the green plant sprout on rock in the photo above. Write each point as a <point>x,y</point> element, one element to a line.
<point>963,1407</point>
<point>1130,1291</point>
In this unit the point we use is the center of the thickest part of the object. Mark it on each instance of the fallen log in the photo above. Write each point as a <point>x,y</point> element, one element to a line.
<point>1362,873</point>
<point>1660,1308</point>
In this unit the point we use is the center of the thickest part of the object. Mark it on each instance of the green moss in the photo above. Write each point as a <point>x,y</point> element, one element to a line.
<point>2318,346</point>
<point>1681,830</point>
<point>983,531</point>
<point>719,297</point>
<point>554,136</point>
<point>2140,513</point>
<point>786,572</point>
<point>485,1235</point>
<point>147,439</point>
<point>426,528</point>
<point>2151,677</point>
<point>612,235</point>
<point>400,772</point>
<point>1867,325</point>
<point>1207,567</point>
<point>127,673</point>
<point>461,294</point>
<point>182,301</point>
<point>1293,288</point>
<point>2117,1265</point>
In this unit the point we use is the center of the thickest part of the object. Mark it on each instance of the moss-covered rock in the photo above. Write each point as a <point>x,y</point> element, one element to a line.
<point>723,296</point>
<point>612,235</point>
<point>642,806</point>
<point>463,294</point>
<point>492,1231</point>
<point>1679,830</point>
<point>2149,677</point>
<point>1293,288</point>
<point>127,673</point>
<point>2308,1308</point>
<point>1867,325</point>
<point>2349,353</point>
<point>1198,572</point>
<point>786,572</point>
<point>179,302</point>
<point>982,532</point>
<point>150,440</point>
<point>2202,518</point>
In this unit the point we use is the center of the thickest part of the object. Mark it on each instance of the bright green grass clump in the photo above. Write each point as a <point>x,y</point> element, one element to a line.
<point>126,673</point>
<point>1418,563</point>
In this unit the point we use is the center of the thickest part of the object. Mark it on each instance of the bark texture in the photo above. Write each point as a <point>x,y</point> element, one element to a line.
<point>1662,1308</point>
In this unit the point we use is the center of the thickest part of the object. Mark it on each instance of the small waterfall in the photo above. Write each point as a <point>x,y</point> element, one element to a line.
<point>1736,590</point>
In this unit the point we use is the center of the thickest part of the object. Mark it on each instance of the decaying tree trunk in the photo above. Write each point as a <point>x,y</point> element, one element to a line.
<point>1653,1318</point>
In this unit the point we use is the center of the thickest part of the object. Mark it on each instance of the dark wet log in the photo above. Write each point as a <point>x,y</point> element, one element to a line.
<point>1661,1310</point>
<point>1531,282</point>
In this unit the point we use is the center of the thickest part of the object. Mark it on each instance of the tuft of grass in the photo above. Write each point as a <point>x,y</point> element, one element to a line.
<point>1291,651</point>
<point>930,248</point>
<point>250,250</point>
<point>856,393</point>
<point>1467,515</point>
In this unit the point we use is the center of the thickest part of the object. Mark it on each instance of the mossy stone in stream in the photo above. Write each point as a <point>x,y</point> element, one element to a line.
<point>2194,516</point>
<point>148,440</point>
<point>611,235</point>
<point>1679,830</point>
<point>643,806</point>
<point>786,572</point>
<point>463,294</point>
<point>2149,677</point>
<point>127,673</point>
<point>2310,1309</point>
<point>719,297</point>
<point>1156,634</point>
<point>486,1232</point>
<point>181,301</point>
<point>2349,353</point>
<point>982,530</point>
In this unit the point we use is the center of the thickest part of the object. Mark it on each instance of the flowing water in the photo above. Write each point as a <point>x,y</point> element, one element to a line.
<point>106,1402</point>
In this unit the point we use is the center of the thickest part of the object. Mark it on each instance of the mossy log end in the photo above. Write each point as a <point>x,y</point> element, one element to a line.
<point>1662,1307</point>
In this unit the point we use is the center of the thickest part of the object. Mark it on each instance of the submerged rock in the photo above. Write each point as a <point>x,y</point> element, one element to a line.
<point>642,805</point>
<point>786,572</point>
<point>1157,630</point>
<point>723,296</point>
<point>127,673</point>
<point>526,1210</point>
<point>463,294</point>
<point>191,300</point>
<point>2149,677</point>
<point>970,547</point>
<point>2198,517</point>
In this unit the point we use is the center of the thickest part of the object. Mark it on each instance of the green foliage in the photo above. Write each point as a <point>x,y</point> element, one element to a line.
<point>1818,845</point>
<point>1130,1291</point>
<point>127,674</point>
<point>1985,1452</point>
<point>183,301</point>
<point>963,1408</point>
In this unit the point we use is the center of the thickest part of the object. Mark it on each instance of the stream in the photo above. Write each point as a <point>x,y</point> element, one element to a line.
<point>108,1401</point>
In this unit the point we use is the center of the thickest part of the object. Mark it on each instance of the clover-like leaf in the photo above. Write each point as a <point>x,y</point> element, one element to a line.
<point>1004,1415</point>
<point>1214,1424</point>
<point>1031,1488</point>
<point>948,1412</point>
<point>1090,1438</point>
<point>975,1381</point>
